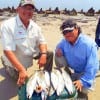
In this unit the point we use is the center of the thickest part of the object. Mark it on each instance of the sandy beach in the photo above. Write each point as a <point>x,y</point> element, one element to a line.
<point>50,28</point>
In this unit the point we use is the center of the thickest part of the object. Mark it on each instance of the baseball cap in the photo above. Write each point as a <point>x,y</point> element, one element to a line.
<point>68,26</point>
<point>26,2</point>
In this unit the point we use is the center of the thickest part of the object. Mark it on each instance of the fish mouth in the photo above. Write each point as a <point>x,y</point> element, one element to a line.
<point>38,89</point>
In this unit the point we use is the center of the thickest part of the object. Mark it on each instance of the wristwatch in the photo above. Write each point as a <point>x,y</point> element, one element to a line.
<point>43,53</point>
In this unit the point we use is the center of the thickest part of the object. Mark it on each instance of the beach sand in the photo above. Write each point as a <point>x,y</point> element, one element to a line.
<point>50,28</point>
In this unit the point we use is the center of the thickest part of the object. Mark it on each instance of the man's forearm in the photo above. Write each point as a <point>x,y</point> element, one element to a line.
<point>43,48</point>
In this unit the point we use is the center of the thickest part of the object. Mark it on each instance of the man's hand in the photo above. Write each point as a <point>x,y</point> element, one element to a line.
<point>78,85</point>
<point>59,52</point>
<point>42,60</point>
<point>22,77</point>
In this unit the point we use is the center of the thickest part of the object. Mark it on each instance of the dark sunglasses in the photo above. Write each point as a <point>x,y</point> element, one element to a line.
<point>66,31</point>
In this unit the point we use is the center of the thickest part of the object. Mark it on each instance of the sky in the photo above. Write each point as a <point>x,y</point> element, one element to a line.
<point>46,4</point>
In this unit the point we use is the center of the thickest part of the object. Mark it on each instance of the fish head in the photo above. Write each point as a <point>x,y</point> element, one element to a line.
<point>41,84</point>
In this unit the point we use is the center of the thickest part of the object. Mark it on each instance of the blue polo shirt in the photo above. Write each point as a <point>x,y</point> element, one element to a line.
<point>81,57</point>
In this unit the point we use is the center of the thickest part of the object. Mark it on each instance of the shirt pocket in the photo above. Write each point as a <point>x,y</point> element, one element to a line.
<point>22,44</point>
<point>33,38</point>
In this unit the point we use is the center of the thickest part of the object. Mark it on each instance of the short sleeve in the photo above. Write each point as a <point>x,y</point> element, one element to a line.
<point>7,39</point>
<point>41,38</point>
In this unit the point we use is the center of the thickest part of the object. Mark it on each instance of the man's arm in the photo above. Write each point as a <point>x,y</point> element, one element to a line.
<point>91,68</point>
<point>22,71</point>
<point>43,48</point>
<point>43,52</point>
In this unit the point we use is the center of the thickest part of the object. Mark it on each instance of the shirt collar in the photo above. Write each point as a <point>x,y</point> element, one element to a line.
<point>19,22</point>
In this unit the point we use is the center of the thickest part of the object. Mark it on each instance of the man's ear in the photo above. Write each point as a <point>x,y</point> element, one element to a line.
<point>18,8</point>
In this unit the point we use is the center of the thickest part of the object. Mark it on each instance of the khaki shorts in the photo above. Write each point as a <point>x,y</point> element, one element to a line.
<point>10,70</point>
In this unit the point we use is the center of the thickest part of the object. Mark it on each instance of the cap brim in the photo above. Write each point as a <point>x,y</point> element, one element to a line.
<point>28,4</point>
<point>69,29</point>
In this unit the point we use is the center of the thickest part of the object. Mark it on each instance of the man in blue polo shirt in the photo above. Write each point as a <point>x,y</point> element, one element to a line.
<point>79,53</point>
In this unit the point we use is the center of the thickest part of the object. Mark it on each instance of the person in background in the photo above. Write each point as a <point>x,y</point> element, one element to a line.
<point>22,42</point>
<point>97,37</point>
<point>97,33</point>
<point>78,53</point>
